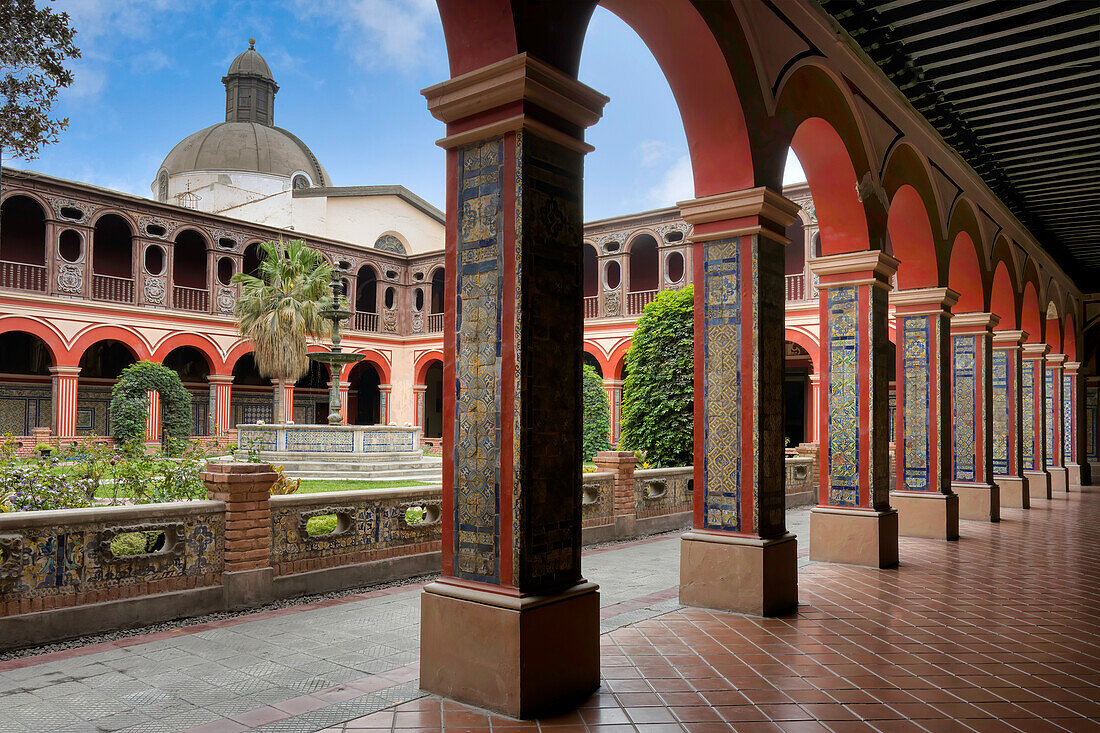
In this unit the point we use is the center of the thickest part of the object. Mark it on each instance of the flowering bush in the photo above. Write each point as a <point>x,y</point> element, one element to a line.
<point>34,486</point>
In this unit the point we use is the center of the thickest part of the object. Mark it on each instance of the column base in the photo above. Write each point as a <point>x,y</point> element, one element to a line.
<point>981,502</point>
<point>1073,476</point>
<point>1094,473</point>
<point>1058,483</point>
<point>930,514</point>
<point>854,536</point>
<point>740,574</point>
<point>523,657</point>
<point>1038,484</point>
<point>1014,492</point>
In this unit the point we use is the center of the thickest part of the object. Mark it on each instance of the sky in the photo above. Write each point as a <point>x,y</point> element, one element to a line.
<point>349,74</point>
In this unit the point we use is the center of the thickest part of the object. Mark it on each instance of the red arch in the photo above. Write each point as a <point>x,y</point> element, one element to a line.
<point>234,355</point>
<point>616,360</point>
<point>808,344</point>
<point>906,166</point>
<point>423,363</point>
<point>597,353</point>
<point>197,341</point>
<point>1031,319</point>
<point>127,338</point>
<point>377,360</point>
<point>966,276</point>
<point>1069,338</point>
<point>54,344</point>
<point>841,218</point>
<point>912,240</point>
<point>1002,301</point>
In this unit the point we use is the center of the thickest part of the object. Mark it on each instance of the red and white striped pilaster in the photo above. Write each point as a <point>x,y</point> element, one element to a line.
<point>284,397</point>
<point>221,387</point>
<point>64,400</point>
<point>384,391</point>
<point>152,421</point>
<point>614,389</point>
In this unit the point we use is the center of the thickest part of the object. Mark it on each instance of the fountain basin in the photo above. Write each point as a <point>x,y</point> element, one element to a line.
<point>280,441</point>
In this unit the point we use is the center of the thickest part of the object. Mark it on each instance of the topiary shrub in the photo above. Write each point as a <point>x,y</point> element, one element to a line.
<point>597,414</point>
<point>658,392</point>
<point>130,405</point>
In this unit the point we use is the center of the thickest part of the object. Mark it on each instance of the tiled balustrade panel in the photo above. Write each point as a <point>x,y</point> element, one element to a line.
<point>56,559</point>
<point>370,525</point>
<point>597,499</point>
<point>661,491</point>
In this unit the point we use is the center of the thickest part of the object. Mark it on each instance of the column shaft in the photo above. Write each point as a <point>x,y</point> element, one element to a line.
<point>1007,366</point>
<point>1055,425</point>
<point>853,523</point>
<point>221,388</point>
<point>1070,417</point>
<point>1033,420</point>
<point>64,387</point>
<point>972,416</point>
<point>152,421</point>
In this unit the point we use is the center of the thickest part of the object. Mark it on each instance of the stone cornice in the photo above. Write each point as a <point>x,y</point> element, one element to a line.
<point>930,299</point>
<point>974,322</point>
<point>773,212</point>
<point>1006,339</point>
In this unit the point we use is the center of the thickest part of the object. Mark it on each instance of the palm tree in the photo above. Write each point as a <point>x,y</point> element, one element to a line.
<point>281,308</point>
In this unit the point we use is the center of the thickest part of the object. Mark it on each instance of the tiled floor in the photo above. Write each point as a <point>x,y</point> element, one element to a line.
<point>999,631</point>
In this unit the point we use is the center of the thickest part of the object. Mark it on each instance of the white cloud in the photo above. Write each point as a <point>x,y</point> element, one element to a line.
<point>677,184</point>
<point>382,33</point>
<point>651,152</point>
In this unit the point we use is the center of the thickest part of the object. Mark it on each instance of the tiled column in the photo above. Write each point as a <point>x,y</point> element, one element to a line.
<point>854,523</point>
<point>284,400</point>
<point>511,624</point>
<point>1033,420</point>
<point>1070,420</point>
<point>221,396</point>
<point>813,423</point>
<point>64,381</point>
<point>1055,460</point>
<point>739,555</point>
<point>614,389</point>
<point>926,504</point>
<point>152,420</point>
<point>420,390</point>
<point>384,391</point>
<point>1092,428</point>
<point>972,416</point>
<point>1007,402</point>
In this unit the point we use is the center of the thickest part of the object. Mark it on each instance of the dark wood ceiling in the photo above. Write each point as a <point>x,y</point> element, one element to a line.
<point>1014,87</point>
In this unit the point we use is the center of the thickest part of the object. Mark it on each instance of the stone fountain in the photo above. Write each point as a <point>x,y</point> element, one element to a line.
<point>335,357</point>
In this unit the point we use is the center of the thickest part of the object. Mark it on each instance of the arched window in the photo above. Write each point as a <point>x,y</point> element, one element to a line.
<point>162,187</point>
<point>591,272</point>
<point>439,279</point>
<point>189,260</point>
<point>23,224</point>
<point>112,247</point>
<point>252,256</point>
<point>366,290</point>
<point>389,243</point>
<point>643,263</point>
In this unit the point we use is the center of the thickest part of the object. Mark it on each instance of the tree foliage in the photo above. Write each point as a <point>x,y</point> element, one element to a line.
<point>658,392</point>
<point>279,310</point>
<point>35,44</point>
<point>130,404</point>
<point>597,414</point>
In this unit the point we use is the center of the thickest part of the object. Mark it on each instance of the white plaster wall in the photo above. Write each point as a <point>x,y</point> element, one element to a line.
<point>219,191</point>
<point>363,219</point>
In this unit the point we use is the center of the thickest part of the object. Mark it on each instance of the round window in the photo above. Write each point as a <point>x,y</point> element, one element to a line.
<point>154,260</point>
<point>391,294</point>
<point>225,270</point>
<point>69,246</point>
<point>674,267</point>
<point>420,299</point>
<point>612,275</point>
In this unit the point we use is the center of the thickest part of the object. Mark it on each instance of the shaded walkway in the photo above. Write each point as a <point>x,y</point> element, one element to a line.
<point>1003,624</point>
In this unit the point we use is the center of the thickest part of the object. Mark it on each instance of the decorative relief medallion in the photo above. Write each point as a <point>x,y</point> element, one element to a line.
<point>227,298</point>
<point>418,322</point>
<point>389,320</point>
<point>59,203</point>
<point>154,289</point>
<point>219,234</point>
<point>612,304</point>
<point>70,278</point>
<point>147,222</point>
<point>389,243</point>
<point>618,238</point>
<point>808,206</point>
<point>677,226</point>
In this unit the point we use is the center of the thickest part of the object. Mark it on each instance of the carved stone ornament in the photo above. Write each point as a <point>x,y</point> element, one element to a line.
<point>59,203</point>
<point>70,278</point>
<point>227,298</point>
<point>418,322</point>
<point>603,239</point>
<point>612,304</point>
<point>808,206</point>
<point>676,226</point>
<point>11,557</point>
<point>144,222</point>
<point>867,188</point>
<point>219,234</point>
<point>154,290</point>
<point>389,320</point>
<point>389,243</point>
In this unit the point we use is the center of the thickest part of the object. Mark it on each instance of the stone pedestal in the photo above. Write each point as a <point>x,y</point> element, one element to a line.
<point>1014,492</point>
<point>928,514</point>
<point>980,502</point>
<point>1059,481</point>
<point>742,574</point>
<point>524,657</point>
<point>854,536</point>
<point>1038,484</point>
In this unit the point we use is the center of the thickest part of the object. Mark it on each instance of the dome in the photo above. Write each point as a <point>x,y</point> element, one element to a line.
<point>250,63</point>
<point>245,147</point>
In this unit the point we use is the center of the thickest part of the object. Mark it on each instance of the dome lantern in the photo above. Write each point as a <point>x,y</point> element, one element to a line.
<point>250,89</point>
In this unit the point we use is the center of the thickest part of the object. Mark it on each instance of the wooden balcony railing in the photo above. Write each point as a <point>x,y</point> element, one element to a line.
<point>592,306</point>
<point>363,321</point>
<point>435,323</point>
<point>22,276</point>
<point>795,287</point>
<point>114,289</point>
<point>190,299</point>
<point>636,302</point>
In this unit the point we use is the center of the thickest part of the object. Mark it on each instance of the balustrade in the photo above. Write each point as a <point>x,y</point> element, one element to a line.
<point>114,289</point>
<point>363,321</point>
<point>190,299</point>
<point>637,301</point>
<point>795,286</point>
<point>22,276</point>
<point>592,306</point>
<point>435,323</point>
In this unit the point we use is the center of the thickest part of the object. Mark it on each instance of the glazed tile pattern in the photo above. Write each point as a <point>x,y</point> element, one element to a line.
<point>1069,435</point>
<point>1001,415</point>
<point>1032,443</point>
<point>23,408</point>
<point>304,440</point>
<point>1053,452</point>
<point>844,376</point>
<point>597,499</point>
<point>722,385</point>
<point>1092,422</point>
<point>964,386</point>
<point>662,491</point>
<point>74,556</point>
<point>478,345</point>
<point>916,400</point>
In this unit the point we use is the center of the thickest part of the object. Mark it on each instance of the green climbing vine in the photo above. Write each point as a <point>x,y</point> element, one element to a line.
<point>597,415</point>
<point>130,404</point>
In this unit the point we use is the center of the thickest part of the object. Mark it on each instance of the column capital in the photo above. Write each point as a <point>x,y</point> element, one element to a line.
<point>220,378</point>
<point>1056,359</point>
<point>525,94</point>
<point>872,267</point>
<point>740,213</point>
<point>923,301</point>
<point>418,387</point>
<point>974,322</point>
<point>617,383</point>
<point>65,371</point>
<point>385,387</point>
<point>1009,339</point>
<point>340,383</point>
<point>1072,366</point>
<point>1033,352</point>
<point>815,378</point>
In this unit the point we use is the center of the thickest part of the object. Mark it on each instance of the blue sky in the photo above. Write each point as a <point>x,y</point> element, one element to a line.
<point>349,75</point>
